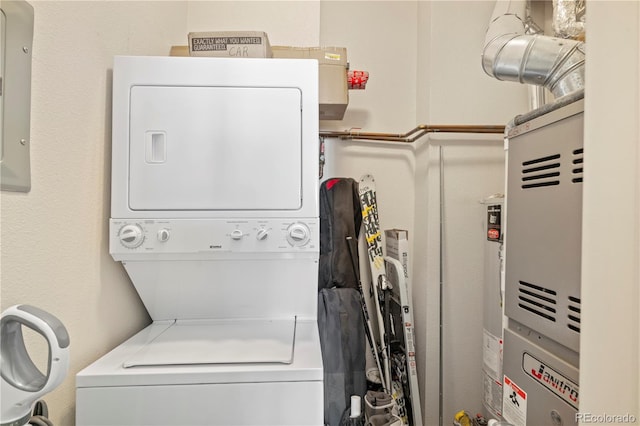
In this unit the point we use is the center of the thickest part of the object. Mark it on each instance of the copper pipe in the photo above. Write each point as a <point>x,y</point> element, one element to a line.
<point>412,135</point>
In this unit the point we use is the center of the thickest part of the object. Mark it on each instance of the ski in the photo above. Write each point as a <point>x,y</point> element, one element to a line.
<point>402,336</point>
<point>373,237</point>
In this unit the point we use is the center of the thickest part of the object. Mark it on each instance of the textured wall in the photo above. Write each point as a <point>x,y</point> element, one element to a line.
<point>54,238</point>
<point>288,23</point>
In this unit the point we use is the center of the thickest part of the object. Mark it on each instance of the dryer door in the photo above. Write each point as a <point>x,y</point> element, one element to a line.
<point>215,148</point>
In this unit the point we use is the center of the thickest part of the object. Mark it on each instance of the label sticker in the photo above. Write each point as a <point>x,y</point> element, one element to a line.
<point>551,379</point>
<point>492,355</point>
<point>494,223</point>
<point>514,403</point>
<point>492,394</point>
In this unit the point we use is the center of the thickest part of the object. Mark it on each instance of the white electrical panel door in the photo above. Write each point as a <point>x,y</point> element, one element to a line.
<point>215,148</point>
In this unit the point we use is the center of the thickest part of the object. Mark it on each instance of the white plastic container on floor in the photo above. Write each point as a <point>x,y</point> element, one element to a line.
<point>494,422</point>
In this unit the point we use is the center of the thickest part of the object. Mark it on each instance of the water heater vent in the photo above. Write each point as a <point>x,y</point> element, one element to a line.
<point>540,172</point>
<point>578,160</point>
<point>573,318</point>
<point>537,300</point>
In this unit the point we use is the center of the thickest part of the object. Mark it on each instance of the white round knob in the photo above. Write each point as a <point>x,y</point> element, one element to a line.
<point>298,234</point>
<point>262,234</point>
<point>163,235</point>
<point>131,236</point>
<point>236,234</point>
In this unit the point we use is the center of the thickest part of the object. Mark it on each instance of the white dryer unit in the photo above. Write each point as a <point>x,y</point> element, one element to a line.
<point>214,215</point>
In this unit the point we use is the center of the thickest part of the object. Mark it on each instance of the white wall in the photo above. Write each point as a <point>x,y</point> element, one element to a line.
<point>380,37</point>
<point>382,106</point>
<point>472,169</point>
<point>285,22</point>
<point>458,92</point>
<point>54,239</point>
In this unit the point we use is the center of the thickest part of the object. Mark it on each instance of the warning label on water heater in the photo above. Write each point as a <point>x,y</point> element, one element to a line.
<point>514,403</point>
<point>494,223</point>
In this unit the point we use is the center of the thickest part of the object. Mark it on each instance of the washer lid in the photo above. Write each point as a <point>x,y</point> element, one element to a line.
<point>198,342</point>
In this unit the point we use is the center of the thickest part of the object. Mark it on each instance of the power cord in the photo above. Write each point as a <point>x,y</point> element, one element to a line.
<point>40,415</point>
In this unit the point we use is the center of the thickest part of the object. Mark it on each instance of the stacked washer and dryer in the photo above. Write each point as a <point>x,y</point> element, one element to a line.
<point>214,215</point>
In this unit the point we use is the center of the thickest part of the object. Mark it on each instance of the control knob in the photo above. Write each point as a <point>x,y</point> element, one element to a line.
<point>131,236</point>
<point>298,234</point>
<point>262,234</point>
<point>163,235</point>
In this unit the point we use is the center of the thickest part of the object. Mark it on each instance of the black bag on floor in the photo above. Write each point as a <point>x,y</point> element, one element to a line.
<point>343,346</point>
<point>340,217</point>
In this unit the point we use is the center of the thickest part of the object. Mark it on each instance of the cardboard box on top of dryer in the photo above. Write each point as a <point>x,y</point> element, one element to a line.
<point>332,73</point>
<point>241,44</point>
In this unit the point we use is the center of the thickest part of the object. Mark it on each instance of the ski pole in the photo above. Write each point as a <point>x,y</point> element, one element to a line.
<point>365,314</point>
<point>383,292</point>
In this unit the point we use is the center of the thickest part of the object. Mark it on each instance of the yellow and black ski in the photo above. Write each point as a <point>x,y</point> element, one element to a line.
<point>375,255</point>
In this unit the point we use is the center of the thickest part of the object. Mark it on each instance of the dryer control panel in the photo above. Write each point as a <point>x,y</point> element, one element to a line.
<point>209,236</point>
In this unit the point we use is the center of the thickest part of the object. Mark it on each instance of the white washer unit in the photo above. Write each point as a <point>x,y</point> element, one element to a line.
<point>215,218</point>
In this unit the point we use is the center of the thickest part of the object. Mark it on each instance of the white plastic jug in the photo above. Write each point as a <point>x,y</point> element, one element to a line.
<point>494,422</point>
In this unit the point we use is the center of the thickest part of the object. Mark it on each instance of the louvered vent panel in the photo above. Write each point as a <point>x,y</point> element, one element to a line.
<point>537,300</point>
<point>540,172</point>
<point>573,318</point>
<point>578,168</point>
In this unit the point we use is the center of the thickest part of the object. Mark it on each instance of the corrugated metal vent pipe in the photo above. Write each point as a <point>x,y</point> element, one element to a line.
<point>510,54</point>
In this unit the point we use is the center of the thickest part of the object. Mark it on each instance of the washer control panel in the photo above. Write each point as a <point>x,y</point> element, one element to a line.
<point>211,235</point>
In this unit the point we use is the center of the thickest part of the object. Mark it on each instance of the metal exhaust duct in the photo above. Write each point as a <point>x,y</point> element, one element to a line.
<point>512,55</point>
